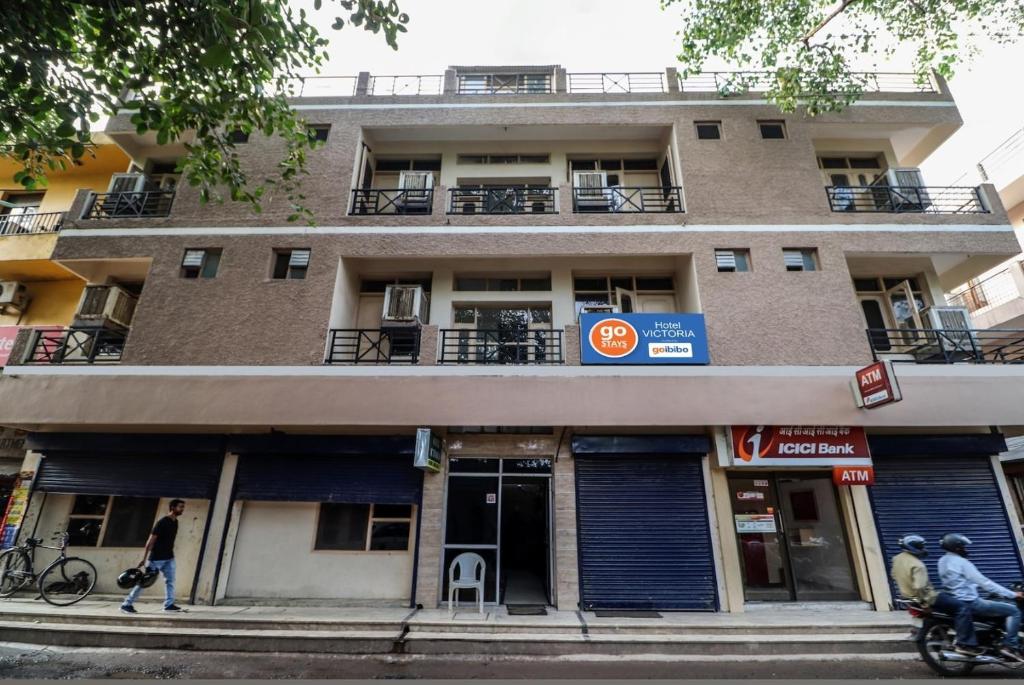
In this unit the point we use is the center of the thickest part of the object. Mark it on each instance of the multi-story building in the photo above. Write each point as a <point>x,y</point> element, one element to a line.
<point>605,306</point>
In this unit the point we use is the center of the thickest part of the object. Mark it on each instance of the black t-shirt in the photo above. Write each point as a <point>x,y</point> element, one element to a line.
<point>165,530</point>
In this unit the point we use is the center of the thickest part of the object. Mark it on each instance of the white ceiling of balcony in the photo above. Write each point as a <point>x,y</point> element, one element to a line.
<point>911,144</point>
<point>517,133</point>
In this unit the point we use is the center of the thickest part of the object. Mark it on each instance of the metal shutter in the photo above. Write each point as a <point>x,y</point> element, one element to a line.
<point>185,476</point>
<point>937,495</point>
<point>644,537</point>
<point>324,478</point>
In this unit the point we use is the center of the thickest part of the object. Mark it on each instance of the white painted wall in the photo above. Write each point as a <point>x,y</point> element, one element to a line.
<point>273,557</point>
<point>110,561</point>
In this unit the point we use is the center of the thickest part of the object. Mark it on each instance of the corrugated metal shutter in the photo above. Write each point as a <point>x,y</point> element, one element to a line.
<point>938,495</point>
<point>185,476</point>
<point>322,478</point>
<point>644,536</point>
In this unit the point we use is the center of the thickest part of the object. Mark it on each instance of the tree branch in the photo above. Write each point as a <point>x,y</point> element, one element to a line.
<point>824,22</point>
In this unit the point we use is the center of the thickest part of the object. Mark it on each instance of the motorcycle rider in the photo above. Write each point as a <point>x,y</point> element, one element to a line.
<point>911,577</point>
<point>962,579</point>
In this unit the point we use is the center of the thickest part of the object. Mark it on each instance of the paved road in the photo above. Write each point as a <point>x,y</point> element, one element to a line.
<point>27,661</point>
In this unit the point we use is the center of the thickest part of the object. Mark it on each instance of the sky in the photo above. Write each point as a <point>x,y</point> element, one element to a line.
<point>615,35</point>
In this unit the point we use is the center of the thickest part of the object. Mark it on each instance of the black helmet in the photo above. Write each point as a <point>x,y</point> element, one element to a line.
<point>914,544</point>
<point>149,577</point>
<point>129,579</point>
<point>956,543</point>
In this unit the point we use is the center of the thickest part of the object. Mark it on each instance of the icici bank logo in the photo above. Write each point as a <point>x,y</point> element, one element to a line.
<point>755,441</point>
<point>613,338</point>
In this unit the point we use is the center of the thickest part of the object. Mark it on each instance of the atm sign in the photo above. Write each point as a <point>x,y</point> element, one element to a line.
<point>853,475</point>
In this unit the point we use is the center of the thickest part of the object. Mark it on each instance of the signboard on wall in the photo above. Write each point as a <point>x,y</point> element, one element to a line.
<point>7,336</point>
<point>17,506</point>
<point>427,453</point>
<point>643,339</point>
<point>875,385</point>
<point>853,475</point>
<point>799,446</point>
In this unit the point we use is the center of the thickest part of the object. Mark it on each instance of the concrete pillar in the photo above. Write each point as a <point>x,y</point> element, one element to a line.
<point>1004,492</point>
<point>672,79</point>
<point>363,83</point>
<point>430,559</point>
<point>860,569</point>
<point>561,84</point>
<point>874,561</point>
<point>215,531</point>
<point>567,579</point>
<point>571,345</point>
<point>439,201</point>
<point>730,582</point>
<point>228,554</point>
<point>565,199</point>
<point>451,82</point>
<point>429,335</point>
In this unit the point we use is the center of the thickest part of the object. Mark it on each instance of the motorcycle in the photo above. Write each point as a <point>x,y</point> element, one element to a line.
<point>937,634</point>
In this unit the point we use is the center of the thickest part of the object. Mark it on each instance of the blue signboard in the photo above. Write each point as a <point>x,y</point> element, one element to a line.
<point>643,339</point>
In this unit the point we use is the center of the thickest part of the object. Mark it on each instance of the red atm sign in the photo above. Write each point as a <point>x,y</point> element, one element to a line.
<point>876,385</point>
<point>853,475</point>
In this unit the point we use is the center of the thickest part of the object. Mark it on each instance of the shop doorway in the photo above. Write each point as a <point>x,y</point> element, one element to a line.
<point>792,538</point>
<point>501,510</point>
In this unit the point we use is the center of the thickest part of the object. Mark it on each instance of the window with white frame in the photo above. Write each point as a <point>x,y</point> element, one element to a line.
<point>364,527</point>
<point>111,521</point>
<point>613,291</point>
<point>291,263</point>
<point>473,283</point>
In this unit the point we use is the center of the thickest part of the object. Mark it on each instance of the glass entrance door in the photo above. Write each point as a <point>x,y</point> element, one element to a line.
<point>792,539</point>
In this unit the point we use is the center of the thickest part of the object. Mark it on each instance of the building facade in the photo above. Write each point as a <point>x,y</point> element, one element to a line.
<point>622,312</point>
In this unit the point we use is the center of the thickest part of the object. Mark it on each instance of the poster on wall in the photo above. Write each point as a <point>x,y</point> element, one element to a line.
<point>17,506</point>
<point>799,446</point>
<point>755,523</point>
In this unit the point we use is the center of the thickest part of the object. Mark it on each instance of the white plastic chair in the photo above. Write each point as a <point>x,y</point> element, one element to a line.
<point>472,571</point>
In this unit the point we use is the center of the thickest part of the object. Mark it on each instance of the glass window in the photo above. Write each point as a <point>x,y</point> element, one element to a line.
<point>465,315</point>
<point>535,284</point>
<point>392,511</point>
<point>90,505</point>
<point>291,264</point>
<point>342,526</point>
<point>394,164</point>
<point>84,532</point>
<point>866,285</point>
<point>200,263</point>
<point>320,132</point>
<point>803,259</point>
<point>504,284</point>
<point>732,260</point>
<point>659,283</point>
<point>389,536</point>
<point>470,283</point>
<point>639,165</point>
<point>772,130</point>
<point>540,315</point>
<point>130,521</point>
<point>537,465</point>
<point>588,283</point>
<point>465,465</point>
<point>709,130</point>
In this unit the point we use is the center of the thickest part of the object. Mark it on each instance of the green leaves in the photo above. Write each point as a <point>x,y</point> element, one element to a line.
<point>814,53</point>
<point>192,72</point>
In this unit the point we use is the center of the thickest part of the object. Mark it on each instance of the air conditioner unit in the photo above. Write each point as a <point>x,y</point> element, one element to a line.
<point>957,334</point>
<point>405,305</point>
<point>591,189</point>
<point>105,305</point>
<point>599,309</point>
<point>14,295</point>
<point>127,183</point>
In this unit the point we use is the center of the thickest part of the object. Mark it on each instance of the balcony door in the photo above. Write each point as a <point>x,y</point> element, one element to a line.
<point>503,334</point>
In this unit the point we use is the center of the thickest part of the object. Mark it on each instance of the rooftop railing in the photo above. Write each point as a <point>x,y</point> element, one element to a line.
<point>906,199</point>
<point>1005,163</point>
<point>28,224</point>
<point>760,81</point>
<point>950,346</point>
<point>993,291</point>
<point>405,85</point>
<point>621,82</point>
<point>323,86</point>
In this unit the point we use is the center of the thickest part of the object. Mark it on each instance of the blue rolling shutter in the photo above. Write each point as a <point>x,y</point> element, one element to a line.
<point>323,478</point>
<point>937,495</point>
<point>644,536</point>
<point>177,475</point>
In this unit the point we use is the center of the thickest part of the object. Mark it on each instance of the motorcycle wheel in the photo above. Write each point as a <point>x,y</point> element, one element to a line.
<point>933,639</point>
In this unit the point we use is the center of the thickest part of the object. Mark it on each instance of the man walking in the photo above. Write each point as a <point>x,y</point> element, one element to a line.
<point>160,553</point>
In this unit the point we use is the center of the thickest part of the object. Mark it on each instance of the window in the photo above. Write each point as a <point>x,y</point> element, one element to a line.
<point>200,263</point>
<point>503,284</point>
<point>117,521</point>
<point>291,263</point>
<point>320,132</point>
<point>380,285</point>
<point>238,137</point>
<point>395,165</point>
<point>732,260</point>
<point>593,291</point>
<point>709,130</point>
<point>802,259</point>
<point>772,130</point>
<point>363,527</point>
<point>503,159</point>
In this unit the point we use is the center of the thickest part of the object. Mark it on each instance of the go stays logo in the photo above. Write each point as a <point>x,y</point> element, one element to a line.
<point>613,338</point>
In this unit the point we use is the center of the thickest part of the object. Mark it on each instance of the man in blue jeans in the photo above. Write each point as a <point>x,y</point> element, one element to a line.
<point>160,553</point>
<point>962,579</point>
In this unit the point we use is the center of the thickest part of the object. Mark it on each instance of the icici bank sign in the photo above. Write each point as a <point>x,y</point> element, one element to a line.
<point>799,446</point>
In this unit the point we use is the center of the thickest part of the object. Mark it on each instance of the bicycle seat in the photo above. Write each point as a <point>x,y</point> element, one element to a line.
<point>32,542</point>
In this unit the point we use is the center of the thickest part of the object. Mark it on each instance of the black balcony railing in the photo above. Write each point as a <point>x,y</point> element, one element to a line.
<point>392,201</point>
<point>502,201</point>
<point>27,224</point>
<point>130,205</point>
<point>616,199</point>
<point>950,346</point>
<point>905,199</point>
<point>504,84</point>
<point>617,82</point>
<point>373,346</point>
<point>76,346</point>
<point>501,346</point>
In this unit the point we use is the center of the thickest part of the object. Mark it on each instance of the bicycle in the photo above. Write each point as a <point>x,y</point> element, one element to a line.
<point>64,581</point>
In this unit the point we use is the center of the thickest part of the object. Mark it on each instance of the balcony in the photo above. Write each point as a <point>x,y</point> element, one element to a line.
<point>373,346</point>
<point>129,205</point>
<point>950,346</point>
<point>906,199</point>
<point>373,201</point>
<point>501,346</point>
<point>31,224</point>
<point>620,200</point>
<point>996,301</point>
<point>76,346</point>
<point>502,201</point>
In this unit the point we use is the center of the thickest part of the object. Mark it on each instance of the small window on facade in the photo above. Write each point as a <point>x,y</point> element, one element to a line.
<point>320,131</point>
<point>86,520</point>
<point>238,137</point>
<point>200,263</point>
<point>130,521</point>
<point>502,284</point>
<point>709,130</point>
<point>802,259</point>
<point>364,527</point>
<point>732,260</point>
<point>772,130</point>
<point>291,263</point>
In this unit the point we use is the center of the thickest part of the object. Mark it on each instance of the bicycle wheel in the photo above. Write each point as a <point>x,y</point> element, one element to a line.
<point>15,571</point>
<point>68,581</point>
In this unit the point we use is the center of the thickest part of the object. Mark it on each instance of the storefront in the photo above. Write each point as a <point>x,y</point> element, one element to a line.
<point>644,534</point>
<point>332,518</point>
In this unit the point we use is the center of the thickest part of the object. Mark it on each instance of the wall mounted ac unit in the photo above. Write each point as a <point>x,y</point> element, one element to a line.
<point>954,323</point>
<point>127,183</point>
<point>105,305</point>
<point>405,305</point>
<point>13,295</point>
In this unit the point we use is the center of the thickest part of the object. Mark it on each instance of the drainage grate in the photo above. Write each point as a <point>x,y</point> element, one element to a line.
<point>526,610</point>
<point>627,614</point>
